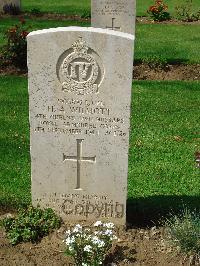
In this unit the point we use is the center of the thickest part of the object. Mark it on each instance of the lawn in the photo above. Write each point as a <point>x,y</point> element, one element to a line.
<point>82,6</point>
<point>171,42</point>
<point>163,139</point>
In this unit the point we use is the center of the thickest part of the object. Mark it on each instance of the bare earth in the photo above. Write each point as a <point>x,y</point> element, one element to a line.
<point>136,247</point>
<point>140,72</point>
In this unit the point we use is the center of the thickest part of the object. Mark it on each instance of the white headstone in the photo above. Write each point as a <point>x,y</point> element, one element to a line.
<point>80,92</point>
<point>8,2</point>
<point>117,15</point>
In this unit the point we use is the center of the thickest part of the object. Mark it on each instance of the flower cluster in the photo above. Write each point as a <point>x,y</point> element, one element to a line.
<point>15,51</point>
<point>158,11</point>
<point>89,246</point>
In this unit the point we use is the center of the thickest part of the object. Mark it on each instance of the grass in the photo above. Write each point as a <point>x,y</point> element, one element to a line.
<point>36,24</point>
<point>162,142</point>
<point>171,42</point>
<point>14,142</point>
<point>79,7</point>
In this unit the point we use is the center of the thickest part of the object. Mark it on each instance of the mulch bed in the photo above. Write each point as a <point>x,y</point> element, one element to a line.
<point>140,72</point>
<point>55,16</point>
<point>137,246</point>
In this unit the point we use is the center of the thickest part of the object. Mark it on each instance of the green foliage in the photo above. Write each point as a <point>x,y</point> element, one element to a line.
<point>184,232</point>
<point>155,61</point>
<point>185,12</point>
<point>88,246</point>
<point>30,225</point>
<point>86,14</point>
<point>15,50</point>
<point>35,11</point>
<point>158,12</point>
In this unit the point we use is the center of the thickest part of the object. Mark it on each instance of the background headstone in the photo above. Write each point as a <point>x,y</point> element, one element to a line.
<point>8,2</point>
<point>80,92</point>
<point>118,15</point>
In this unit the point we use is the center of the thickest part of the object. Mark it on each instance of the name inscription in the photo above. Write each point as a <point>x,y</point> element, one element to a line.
<point>111,7</point>
<point>78,117</point>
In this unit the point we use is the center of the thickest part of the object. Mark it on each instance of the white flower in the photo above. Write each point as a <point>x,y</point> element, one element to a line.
<point>114,237</point>
<point>77,228</point>
<point>71,248</point>
<point>108,232</point>
<point>98,223</point>
<point>69,240</point>
<point>87,248</point>
<point>109,225</point>
<point>101,244</point>
<point>95,240</point>
<point>84,264</point>
<point>68,232</point>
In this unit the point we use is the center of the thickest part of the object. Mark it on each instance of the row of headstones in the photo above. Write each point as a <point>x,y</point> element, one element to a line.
<point>110,14</point>
<point>80,92</point>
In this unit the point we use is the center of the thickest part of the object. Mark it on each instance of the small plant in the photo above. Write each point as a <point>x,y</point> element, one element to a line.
<point>15,51</point>
<point>184,12</point>
<point>158,12</point>
<point>86,14</point>
<point>155,61</point>
<point>30,225</point>
<point>89,248</point>
<point>183,231</point>
<point>11,9</point>
<point>35,12</point>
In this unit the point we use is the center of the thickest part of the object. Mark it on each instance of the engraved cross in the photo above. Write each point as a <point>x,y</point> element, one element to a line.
<point>112,27</point>
<point>79,158</point>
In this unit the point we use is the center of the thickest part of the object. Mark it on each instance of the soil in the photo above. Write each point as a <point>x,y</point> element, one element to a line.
<point>169,72</point>
<point>140,72</point>
<point>136,246</point>
<point>55,16</point>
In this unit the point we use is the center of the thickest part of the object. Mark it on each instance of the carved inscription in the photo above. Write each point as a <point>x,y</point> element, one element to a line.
<point>111,7</point>
<point>79,159</point>
<point>112,27</point>
<point>79,117</point>
<point>84,205</point>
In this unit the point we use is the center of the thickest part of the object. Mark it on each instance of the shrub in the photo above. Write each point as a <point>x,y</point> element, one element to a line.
<point>30,225</point>
<point>35,12</point>
<point>158,12</point>
<point>184,232</point>
<point>86,14</point>
<point>15,51</point>
<point>89,248</point>
<point>11,9</point>
<point>155,61</point>
<point>184,12</point>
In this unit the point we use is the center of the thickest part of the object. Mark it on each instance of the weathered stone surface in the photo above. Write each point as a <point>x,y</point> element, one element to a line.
<point>118,15</point>
<point>4,2</point>
<point>80,91</point>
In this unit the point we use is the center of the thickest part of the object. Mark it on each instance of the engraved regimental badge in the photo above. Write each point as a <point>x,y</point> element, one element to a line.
<point>80,70</point>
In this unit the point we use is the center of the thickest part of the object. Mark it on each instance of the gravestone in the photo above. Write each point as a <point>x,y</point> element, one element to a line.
<point>9,2</point>
<point>80,92</point>
<point>117,15</point>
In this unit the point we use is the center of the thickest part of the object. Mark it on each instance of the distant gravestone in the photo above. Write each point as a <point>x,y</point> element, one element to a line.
<point>15,3</point>
<point>117,15</point>
<point>80,93</point>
